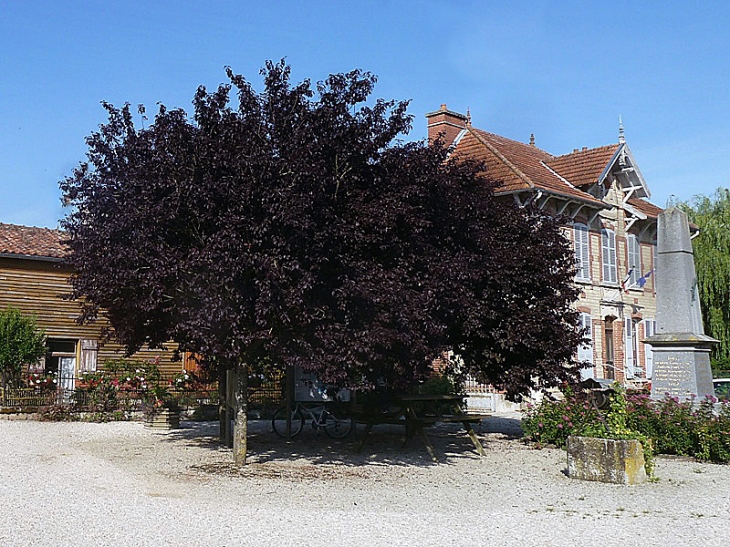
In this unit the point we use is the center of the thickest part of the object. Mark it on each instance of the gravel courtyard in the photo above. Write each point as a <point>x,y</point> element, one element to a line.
<point>83,484</point>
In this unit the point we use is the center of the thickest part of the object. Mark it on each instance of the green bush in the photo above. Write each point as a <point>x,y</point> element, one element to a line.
<point>22,342</point>
<point>667,426</point>
<point>97,392</point>
<point>553,421</point>
<point>713,437</point>
<point>439,385</point>
<point>670,424</point>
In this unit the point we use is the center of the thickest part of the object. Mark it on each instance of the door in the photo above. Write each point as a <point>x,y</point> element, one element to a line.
<point>66,376</point>
<point>61,361</point>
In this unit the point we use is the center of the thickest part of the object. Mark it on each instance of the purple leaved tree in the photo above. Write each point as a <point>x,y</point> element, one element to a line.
<point>293,228</point>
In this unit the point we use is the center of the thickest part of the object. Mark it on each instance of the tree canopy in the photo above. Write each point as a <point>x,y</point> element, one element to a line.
<point>712,261</point>
<point>22,342</point>
<point>294,228</point>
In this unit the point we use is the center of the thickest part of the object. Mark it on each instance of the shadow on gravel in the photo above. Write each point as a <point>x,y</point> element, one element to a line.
<point>383,446</point>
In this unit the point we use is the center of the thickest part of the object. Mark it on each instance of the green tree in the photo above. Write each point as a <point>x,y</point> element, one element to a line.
<point>21,342</point>
<point>712,261</point>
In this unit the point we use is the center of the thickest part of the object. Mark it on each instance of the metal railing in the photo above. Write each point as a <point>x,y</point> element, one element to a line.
<point>263,392</point>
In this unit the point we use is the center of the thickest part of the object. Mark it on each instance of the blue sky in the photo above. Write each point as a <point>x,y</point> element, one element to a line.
<point>564,71</point>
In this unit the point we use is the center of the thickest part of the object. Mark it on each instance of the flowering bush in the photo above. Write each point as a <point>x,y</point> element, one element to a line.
<point>713,436</point>
<point>134,375</point>
<point>97,391</point>
<point>667,426</point>
<point>43,382</point>
<point>182,380</point>
<point>553,421</point>
<point>668,422</point>
<point>159,397</point>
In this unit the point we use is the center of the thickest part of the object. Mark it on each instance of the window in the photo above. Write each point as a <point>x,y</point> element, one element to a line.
<point>649,330</point>
<point>581,245</point>
<point>630,348</point>
<point>585,351</point>
<point>608,256</point>
<point>634,265</point>
<point>608,348</point>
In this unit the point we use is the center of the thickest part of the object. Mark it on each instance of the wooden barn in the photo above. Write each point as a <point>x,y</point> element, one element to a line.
<point>33,278</point>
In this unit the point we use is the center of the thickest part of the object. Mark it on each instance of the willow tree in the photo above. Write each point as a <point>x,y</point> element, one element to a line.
<point>712,261</point>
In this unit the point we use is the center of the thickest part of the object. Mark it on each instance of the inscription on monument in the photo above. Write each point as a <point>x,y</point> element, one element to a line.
<point>673,374</point>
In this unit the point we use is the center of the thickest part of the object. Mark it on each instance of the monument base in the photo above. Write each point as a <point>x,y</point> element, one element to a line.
<point>681,371</point>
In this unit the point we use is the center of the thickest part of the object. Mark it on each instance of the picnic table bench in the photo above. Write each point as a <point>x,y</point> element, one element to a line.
<point>416,412</point>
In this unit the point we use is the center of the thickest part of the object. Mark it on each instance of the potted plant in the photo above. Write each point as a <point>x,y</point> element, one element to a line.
<point>161,409</point>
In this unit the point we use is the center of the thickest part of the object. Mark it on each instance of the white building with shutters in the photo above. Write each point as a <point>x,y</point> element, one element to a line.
<point>613,231</point>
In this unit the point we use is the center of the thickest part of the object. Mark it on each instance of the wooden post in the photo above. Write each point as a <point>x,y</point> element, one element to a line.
<point>224,424</point>
<point>231,386</point>
<point>289,383</point>
<point>240,428</point>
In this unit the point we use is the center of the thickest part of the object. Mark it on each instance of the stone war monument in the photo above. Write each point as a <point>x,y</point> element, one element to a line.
<point>680,347</point>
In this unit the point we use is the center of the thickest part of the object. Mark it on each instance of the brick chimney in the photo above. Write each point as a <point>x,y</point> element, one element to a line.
<point>445,122</point>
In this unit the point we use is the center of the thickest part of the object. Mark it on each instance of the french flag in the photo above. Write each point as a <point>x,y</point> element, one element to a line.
<point>643,279</point>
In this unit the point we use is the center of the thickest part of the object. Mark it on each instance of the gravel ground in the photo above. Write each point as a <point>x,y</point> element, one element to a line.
<point>79,484</point>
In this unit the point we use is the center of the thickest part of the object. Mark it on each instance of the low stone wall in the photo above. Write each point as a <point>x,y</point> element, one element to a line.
<point>494,402</point>
<point>606,460</point>
<point>15,414</point>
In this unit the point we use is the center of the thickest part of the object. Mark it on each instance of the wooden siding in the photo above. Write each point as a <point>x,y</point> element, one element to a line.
<point>37,286</point>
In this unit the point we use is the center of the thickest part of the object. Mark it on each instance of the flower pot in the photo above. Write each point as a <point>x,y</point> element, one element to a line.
<point>163,418</point>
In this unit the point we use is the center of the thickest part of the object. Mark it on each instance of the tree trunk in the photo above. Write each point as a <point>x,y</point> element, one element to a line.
<point>240,428</point>
<point>224,423</point>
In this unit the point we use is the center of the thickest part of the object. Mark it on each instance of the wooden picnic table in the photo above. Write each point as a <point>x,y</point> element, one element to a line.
<point>416,412</point>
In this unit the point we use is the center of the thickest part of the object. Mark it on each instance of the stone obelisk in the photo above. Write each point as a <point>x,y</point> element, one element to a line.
<point>680,347</point>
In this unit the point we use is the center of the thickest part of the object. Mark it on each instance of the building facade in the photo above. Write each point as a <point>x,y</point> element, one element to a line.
<point>612,229</point>
<point>33,278</point>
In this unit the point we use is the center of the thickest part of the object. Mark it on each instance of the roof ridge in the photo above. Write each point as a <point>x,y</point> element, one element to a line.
<point>575,152</point>
<point>497,153</point>
<point>31,227</point>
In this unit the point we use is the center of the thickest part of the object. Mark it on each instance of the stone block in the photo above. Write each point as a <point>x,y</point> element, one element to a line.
<point>163,419</point>
<point>606,460</point>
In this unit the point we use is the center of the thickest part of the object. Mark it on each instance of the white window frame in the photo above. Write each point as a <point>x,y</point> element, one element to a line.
<point>582,247</point>
<point>631,357</point>
<point>633,250</point>
<point>649,330</point>
<point>608,256</point>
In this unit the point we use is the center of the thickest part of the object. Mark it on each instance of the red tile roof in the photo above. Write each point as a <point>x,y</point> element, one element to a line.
<point>649,209</point>
<point>518,166</point>
<point>31,241</point>
<point>584,167</point>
